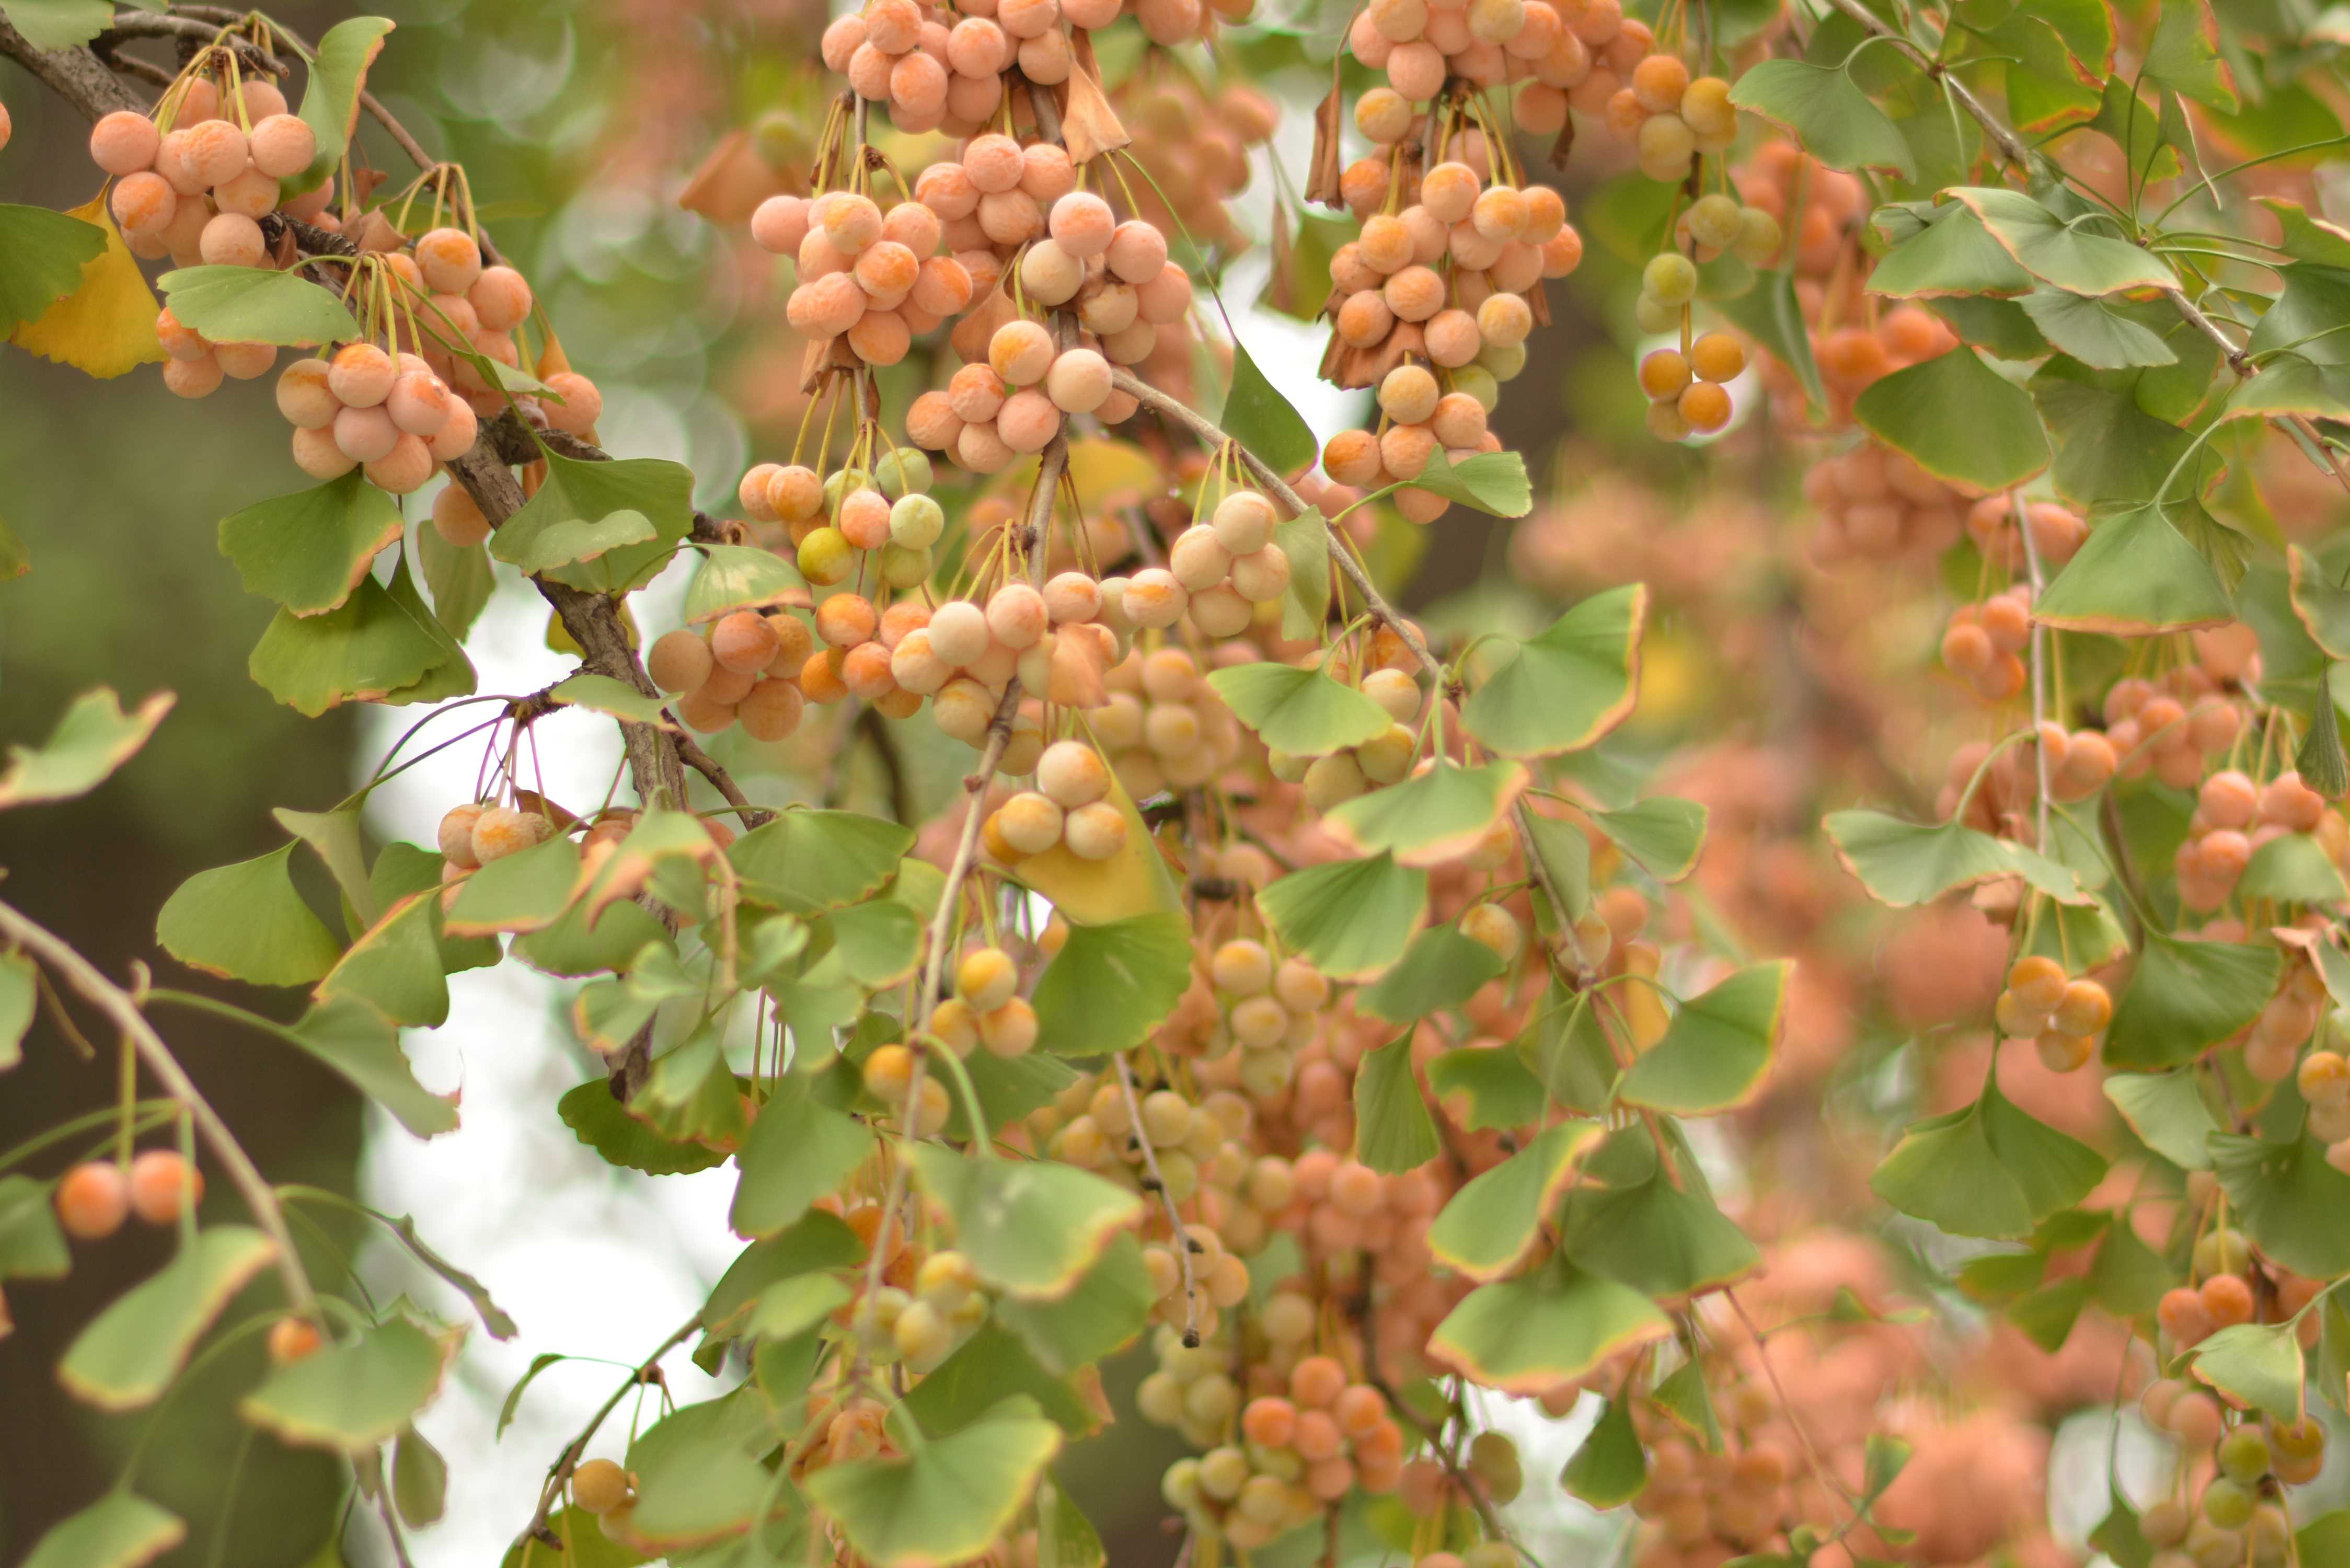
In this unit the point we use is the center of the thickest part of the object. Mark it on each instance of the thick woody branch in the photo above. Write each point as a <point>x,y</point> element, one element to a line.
<point>123,1009</point>
<point>77,76</point>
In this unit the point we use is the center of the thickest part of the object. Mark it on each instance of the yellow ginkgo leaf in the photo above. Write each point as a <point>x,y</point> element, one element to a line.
<point>108,324</point>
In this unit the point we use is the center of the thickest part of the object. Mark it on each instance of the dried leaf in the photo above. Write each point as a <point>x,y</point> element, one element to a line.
<point>1322,173</point>
<point>1089,127</point>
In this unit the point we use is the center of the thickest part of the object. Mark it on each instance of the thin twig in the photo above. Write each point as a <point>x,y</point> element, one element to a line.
<point>1341,548</point>
<point>2039,665</point>
<point>2011,146</point>
<point>1828,1480</point>
<point>121,1008</point>
<point>1158,1184</point>
<point>566,1461</point>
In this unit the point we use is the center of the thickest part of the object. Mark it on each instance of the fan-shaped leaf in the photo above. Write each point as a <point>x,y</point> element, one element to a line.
<point>1300,710</point>
<point>130,1353</point>
<point>94,738</point>
<point>351,1397</point>
<point>1489,1227</point>
<point>1031,1228</point>
<point>951,1499</point>
<point>1348,918</point>
<point>1110,985</point>
<point>1566,687</point>
<point>1987,1169</point>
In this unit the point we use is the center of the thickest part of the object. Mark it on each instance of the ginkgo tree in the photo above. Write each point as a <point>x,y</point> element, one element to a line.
<point>1362,1019</point>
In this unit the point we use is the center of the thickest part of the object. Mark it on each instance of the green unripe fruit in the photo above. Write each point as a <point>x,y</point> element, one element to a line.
<point>1180,1486</point>
<point>836,484</point>
<point>2244,1455</point>
<point>1505,361</point>
<point>1715,221</point>
<point>1483,384</point>
<point>1758,237</point>
<point>903,471</point>
<point>1655,315</point>
<point>902,568</point>
<point>2227,1504</point>
<point>1670,279</point>
<point>1489,1554</point>
<point>2222,1251</point>
<point>825,556</point>
<point>916,522</point>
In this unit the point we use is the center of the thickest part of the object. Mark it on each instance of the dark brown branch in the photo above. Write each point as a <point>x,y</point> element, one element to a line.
<point>76,75</point>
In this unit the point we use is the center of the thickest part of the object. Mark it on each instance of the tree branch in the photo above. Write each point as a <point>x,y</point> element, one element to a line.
<point>77,76</point>
<point>1178,1238</point>
<point>568,1460</point>
<point>123,1009</point>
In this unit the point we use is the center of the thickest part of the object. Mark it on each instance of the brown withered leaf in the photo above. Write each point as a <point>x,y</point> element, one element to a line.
<point>1089,127</point>
<point>970,338</point>
<point>1322,173</point>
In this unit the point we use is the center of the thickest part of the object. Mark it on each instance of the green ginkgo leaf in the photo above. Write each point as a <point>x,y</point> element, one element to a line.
<point>1489,1227</point>
<point>120,1530</point>
<point>1718,1048</point>
<point>1565,689</point>
<point>248,922</point>
<point>1030,1228</point>
<point>1432,817</point>
<point>1543,1328</point>
<point>949,1499</point>
<point>1110,985</point>
<point>351,1397</point>
<point>1349,918</point>
<point>1986,1169</point>
<point>94,738</point>
<point>1299,710</point>
<point>1904,863</point>
<point>128,1356</point>
<point>2185,997</point>
<point>1393,1131</point>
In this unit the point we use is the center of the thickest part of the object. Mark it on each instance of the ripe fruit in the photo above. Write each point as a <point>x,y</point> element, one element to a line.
<point>599,1486</point>
<point>292,1339</point>
<point>163,1185</point>
<point>92,1201</point>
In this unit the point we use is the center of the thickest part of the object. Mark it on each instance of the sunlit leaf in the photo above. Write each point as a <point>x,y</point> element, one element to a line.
<point>1299,710</point>
<point>106,325</point>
